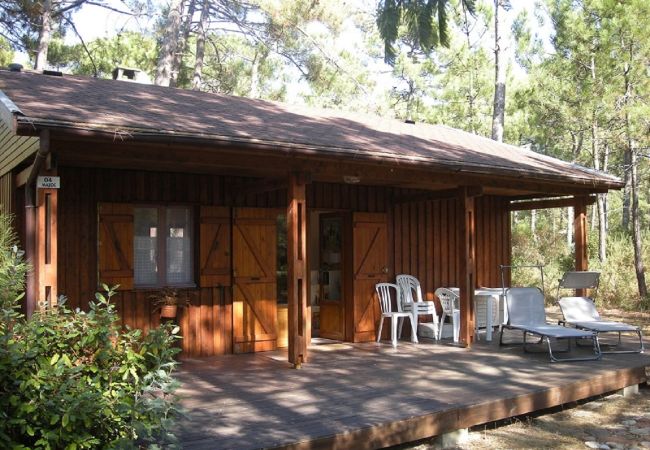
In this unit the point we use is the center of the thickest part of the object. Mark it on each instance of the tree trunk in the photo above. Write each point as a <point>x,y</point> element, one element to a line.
<point>600,199</point>
<point>627,190</point>
<point>255,75</point>
<point>533,224</point>
<point>636,230</point>
<point>44,36</point>
<point>634,185</point>
<point>199,58</point>
<point>569,226</point>
<point>498,111</point>
<point>470,81</point>
<point>186,27</point>
<point>171,36</point>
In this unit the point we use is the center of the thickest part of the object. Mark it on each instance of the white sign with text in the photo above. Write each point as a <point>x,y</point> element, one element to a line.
<point>48,182</point>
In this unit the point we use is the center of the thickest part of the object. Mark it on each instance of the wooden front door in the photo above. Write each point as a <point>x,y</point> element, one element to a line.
<point>254,277</point>
<point>370,266</point>
<point>331,270</point>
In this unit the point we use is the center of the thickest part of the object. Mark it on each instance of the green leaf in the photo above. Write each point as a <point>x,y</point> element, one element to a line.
<point>65,420</point>
<point>54,359</point>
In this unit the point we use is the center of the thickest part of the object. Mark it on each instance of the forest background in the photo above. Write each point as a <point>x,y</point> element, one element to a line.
<point>566,78</point>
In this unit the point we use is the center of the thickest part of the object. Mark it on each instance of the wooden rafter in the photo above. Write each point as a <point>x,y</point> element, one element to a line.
<point>548,203</point>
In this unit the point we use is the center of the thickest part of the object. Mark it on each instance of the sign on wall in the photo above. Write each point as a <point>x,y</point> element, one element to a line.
<point>48,182</point>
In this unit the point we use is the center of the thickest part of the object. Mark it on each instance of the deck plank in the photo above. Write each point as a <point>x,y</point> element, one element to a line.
<point>371,396</point>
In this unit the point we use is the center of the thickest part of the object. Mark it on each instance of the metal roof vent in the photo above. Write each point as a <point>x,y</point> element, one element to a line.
<point>410,121</point>
<point>53,73</point>
<point>15,67</point>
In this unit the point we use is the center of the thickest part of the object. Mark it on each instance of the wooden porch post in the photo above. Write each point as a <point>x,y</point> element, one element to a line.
<point>47,243</point>
<point>297,269</point>
<point>31,284</point>
<point>32,225</point>
<point>467,264</point>
<point>580,236</point>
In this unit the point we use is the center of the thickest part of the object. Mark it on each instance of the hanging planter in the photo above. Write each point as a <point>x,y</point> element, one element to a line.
<point>168,311</point>
<point>168,302</point>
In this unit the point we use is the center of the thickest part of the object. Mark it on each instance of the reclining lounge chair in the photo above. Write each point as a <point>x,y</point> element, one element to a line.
<point>526,313</point>
<point>581,313</point>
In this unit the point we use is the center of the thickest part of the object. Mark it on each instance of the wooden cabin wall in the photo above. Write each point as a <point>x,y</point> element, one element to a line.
<point>418,231</point>
<point>425,239</point>
<point>210,309</point>
<point>7,193</point>
<point>14,148</point>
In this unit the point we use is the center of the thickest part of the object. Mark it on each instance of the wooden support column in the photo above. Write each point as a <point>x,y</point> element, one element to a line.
<point>46,243</point>
<point>31,284</point>
<point>32,222</point>
<point>297,269</point>
<point>580,236</point>
<point>467,263</point>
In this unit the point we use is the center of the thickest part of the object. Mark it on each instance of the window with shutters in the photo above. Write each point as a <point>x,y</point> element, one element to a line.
<point>162,246</point>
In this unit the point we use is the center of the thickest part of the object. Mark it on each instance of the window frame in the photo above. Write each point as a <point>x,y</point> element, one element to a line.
<point>161,245</point>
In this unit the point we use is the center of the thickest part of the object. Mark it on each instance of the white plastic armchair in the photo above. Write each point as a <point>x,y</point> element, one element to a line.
<point>386,301</point>
<point>450,308</point>
<point>411,302</point>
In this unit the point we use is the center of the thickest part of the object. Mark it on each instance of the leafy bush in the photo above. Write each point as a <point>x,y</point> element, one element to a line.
<point>73,379</point>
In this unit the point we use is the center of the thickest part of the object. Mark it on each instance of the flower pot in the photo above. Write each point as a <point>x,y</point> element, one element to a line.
<point>168,311</point>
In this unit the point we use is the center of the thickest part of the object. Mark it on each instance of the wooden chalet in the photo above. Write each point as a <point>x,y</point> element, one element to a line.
<point>275,221</point>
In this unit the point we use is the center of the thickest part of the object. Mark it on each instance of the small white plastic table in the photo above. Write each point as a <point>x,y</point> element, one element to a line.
<point>487,308</point>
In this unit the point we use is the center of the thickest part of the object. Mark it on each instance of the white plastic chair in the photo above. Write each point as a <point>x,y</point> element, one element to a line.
<point>386,301</point>
<point>410,294</point>
<point>450,308</point>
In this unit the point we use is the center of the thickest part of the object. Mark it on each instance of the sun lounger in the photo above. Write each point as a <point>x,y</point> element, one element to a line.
<point>526,313</point>
<point>581,313</point>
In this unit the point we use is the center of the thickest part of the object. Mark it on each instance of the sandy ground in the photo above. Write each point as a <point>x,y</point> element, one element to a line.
<point>606,422</point>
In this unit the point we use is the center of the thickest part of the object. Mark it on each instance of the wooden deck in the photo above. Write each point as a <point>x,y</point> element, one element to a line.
<point>371,396</point>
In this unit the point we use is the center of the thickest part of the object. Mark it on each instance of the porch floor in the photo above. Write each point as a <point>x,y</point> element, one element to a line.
<point>371,395</point>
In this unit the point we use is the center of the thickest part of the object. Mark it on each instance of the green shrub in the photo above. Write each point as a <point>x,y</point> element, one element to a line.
<point>73,379</point>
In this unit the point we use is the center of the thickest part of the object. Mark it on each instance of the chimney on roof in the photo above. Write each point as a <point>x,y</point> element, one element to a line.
<point>130,74</point>
<point>15,67</point>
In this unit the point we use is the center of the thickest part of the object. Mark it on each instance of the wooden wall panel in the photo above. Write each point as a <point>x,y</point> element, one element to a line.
<point>7,190</point>
<point>422,239</point>
<point>14,149</point>
<point>425,235</point>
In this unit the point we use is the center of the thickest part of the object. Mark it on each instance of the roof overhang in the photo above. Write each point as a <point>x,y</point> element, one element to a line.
<point>524,180</point>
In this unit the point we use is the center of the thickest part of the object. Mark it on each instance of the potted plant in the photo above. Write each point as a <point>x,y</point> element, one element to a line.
<point>168,302</point>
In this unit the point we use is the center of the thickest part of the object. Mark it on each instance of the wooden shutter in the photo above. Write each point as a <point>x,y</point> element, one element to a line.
<point>115,244</point>
<point>214,248</point>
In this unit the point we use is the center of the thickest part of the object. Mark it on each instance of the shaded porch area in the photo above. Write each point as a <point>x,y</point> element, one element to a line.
<point>368,395</point>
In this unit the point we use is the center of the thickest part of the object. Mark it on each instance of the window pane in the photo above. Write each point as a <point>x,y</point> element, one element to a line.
<point>179,249</point>
<point>145,270</point>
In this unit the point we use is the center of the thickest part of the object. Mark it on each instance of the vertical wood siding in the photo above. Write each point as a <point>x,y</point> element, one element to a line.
<point>422,240</point>
<point>425,238</point>
<point>7,198</point>
<point>14,149</point>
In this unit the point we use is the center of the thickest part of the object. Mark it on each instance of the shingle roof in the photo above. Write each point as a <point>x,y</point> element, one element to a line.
<point>123,107</point>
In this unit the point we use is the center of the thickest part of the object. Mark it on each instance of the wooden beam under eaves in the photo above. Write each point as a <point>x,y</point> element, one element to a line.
<point>472,191</point>
<point>548,203</point>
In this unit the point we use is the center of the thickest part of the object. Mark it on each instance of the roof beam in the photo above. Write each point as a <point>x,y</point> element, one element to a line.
<point>472,191</point>
<point>547,203</point>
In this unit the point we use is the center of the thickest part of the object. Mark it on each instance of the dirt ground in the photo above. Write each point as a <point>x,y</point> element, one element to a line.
<point>606,422</point>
